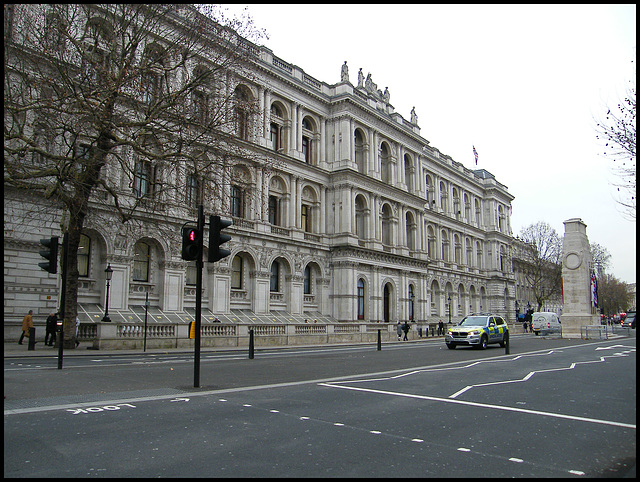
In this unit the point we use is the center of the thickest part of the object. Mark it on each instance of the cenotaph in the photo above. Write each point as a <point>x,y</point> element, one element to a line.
<point>576,279</point>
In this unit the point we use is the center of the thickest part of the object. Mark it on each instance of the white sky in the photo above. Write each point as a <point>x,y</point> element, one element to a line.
<point>525,84</point>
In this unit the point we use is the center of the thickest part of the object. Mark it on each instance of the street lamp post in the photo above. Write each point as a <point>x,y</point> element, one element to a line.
<point>108,273</point>
<point>449,299</point>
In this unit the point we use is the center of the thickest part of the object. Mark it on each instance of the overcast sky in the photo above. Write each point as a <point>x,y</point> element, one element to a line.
<point>525,84</point>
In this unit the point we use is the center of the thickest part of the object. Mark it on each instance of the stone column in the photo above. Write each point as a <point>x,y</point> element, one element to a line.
<point>576,279</point>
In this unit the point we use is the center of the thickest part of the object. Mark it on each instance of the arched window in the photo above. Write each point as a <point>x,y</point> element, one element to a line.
<point>308,141</point>
<point>457,249</point>
<point>277,127</point>
<point>411,231</point>
<point>445,246</point>
<point>408,172</point>
<point>385,160</point>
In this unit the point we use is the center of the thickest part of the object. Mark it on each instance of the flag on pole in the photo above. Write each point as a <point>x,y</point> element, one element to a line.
<point>475,154</point>
<point>594,290</point>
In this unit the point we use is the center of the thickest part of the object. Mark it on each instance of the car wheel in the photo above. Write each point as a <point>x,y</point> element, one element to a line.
<point>451,346</point>
<point>483,342</point>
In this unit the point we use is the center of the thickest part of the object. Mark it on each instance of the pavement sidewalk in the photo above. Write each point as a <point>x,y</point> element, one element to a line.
<point>14,350</point>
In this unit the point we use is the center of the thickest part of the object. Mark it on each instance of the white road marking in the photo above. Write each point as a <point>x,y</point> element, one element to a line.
<point>530,374</point>
<point>484,405</point>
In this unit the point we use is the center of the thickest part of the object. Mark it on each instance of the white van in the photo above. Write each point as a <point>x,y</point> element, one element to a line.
<point>545,322</point>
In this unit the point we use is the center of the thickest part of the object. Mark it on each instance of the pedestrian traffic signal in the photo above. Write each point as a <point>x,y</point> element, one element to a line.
<point>216,253</point>
<point>50,254</point>
<point>191,238</point>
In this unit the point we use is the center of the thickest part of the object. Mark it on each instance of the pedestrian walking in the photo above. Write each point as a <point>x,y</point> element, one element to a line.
<point>52,325</point>
<point>525,326</point>
<point>406,329</point>
<point>77,326</point>
<point>27,324</point>
<point>440,328</point>
<point>399,329</point>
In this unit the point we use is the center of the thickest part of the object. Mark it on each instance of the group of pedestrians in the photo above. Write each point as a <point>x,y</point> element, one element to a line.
<point>405,327</point>
<point>51,328</point>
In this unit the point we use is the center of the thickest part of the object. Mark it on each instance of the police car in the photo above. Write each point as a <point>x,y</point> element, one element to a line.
<point>478,330</point>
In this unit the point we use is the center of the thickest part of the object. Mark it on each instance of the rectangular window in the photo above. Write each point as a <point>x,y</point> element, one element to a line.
<point>275,136</point>
<point>200,106</point>
<point>84,251</point>
<point>192,274</point>
<point>273,210</point>
<point>305,212</point>
<point>236,273</point>
<point>237,205</point>
<point>306,149</point>
<point>274,282</point>
<point>142,180</point>
<point>193,190</point>
<point>142,254</point>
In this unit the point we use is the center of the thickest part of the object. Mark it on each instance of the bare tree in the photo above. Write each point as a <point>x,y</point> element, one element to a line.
<point>614,295</point>
<point>618,132</point>
<point>122,109</point>
<point>545,268</point>
<point>601,259</point>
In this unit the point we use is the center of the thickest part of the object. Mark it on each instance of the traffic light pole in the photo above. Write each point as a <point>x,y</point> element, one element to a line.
<point>63,297</point>
<point>196,361</point>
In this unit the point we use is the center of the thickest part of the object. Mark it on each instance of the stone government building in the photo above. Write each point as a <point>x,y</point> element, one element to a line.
<point>358,218</point>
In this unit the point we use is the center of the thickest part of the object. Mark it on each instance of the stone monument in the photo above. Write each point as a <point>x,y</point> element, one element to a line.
<point>576,279</point>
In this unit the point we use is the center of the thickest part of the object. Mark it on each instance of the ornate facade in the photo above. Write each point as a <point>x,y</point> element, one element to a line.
<point>355,216</point>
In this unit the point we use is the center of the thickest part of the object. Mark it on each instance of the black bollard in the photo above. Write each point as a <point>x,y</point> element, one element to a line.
<point>507,350</point>
<point>251,344</point>
<point>32,339</point>
<point>379,341</point>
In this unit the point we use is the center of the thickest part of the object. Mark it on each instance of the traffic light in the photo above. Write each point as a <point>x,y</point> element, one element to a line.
<point>50,254</point>
<point>216,253</point>
<point>190,243</point>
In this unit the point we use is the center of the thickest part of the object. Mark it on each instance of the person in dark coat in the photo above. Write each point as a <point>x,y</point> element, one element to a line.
<point>406,329</point>
<point>52,325</point>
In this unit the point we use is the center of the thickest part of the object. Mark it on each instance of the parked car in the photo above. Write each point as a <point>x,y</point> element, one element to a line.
<point>478,330</point>
<point>630,319</point>
<point>545,322</point>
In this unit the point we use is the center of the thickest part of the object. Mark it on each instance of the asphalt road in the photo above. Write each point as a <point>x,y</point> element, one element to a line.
<point>552,408</point>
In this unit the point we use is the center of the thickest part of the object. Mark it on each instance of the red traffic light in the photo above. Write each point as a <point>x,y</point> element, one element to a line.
<point>191,239</point>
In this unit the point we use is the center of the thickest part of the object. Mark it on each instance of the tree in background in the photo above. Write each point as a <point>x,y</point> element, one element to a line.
<point>118,108</point>
<point>618,132</point>
<point>614,295</point>
<point>601,259</point>
<point>545,264</point>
